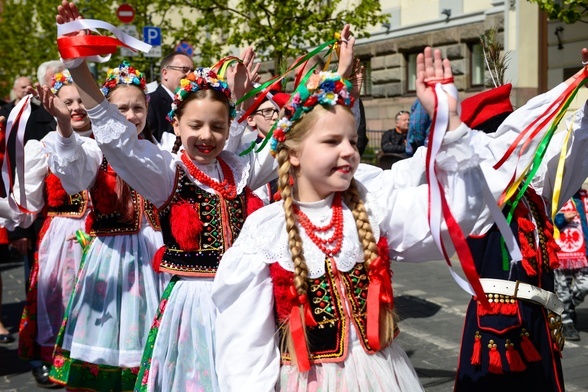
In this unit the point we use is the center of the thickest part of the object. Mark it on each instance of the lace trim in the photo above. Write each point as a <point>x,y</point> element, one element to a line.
<point>64,160</point>
<point>272,244</point>
<point>108,124</point>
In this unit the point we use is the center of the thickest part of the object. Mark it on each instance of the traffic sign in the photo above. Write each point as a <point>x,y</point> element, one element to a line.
<point>186,48</point>
<point>125,13</point>
<point>152,35</point>
<point>154,52</point>
<point>132,31</point>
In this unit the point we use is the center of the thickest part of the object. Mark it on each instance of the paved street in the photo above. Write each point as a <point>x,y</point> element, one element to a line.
<point>431,305</point>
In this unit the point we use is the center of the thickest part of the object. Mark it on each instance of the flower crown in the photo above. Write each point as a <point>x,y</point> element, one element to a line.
<point>200,79</point>
<point>124,74</point>
<point>325,88</point>
<point>59,80</point>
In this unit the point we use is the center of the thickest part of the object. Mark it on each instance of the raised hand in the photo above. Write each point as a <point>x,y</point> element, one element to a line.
<point>346,42</point>
<point>241,76</point>
<point>68,12</point>
<point>55,106</point>
<point>431,69</point>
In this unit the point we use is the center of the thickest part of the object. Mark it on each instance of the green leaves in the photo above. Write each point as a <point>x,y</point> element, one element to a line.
<point>567,11</point>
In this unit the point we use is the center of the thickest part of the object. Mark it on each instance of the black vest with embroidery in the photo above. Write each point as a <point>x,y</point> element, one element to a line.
<point>107,218</point>
<point>329,340</point>
<point>221,222</point>
<point>59,203</point>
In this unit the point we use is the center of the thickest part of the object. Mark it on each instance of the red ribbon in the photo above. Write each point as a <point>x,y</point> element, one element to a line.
<point>379,293</point>
<point>88,45</point>
<point>297,329</point>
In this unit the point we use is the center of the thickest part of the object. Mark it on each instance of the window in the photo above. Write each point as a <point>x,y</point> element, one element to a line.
<point>411,71</point>
<point>477,65</point>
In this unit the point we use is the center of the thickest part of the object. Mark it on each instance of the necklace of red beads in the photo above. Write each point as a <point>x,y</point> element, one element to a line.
<point>336,241</point>
<point>226,188</point>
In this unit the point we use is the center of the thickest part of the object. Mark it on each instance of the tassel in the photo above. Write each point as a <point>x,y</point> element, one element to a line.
<point>157,258</point>
<point>495,363</point>
<point>529,269</point>
<point>529,350</point>
<point>476,358</point>
<point>515,362</point>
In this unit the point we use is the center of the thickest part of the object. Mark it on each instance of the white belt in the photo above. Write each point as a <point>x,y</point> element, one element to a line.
<point>520,290</point>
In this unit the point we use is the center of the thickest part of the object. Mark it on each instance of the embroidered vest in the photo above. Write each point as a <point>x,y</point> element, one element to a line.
<point>107,217</point>
<point>197,228</point>
<point>328,341</point>
<point>59,203</point>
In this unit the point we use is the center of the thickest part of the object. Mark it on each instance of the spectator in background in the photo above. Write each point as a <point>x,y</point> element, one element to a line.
<point>418,128</point>
<point>394,140</point>
<point>173,68</point>
<point>571,277</point>
<point>19,89</point>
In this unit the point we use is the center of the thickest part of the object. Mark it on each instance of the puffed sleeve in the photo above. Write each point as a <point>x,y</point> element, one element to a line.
<point>492,147</point>
<point>404,220</point>
<point>247,354</point>
<point>75,160</point>
<point>36,169</point>
<point>143,165</point>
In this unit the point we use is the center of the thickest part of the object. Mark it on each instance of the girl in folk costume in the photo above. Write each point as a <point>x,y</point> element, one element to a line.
<point>59,253</point>
<point>202,196</point>
<point>571,277</point>
<point>311,306</point>
<point>117,292</point>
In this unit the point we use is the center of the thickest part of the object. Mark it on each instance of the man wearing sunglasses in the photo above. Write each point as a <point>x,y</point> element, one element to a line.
<point>173,68</point>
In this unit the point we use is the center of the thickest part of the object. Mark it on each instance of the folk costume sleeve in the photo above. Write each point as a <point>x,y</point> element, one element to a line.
<point>248,358</point>
<point>404,210</point>
<point>75,160</point>
<point>143,165</point>
<point>492,147</point>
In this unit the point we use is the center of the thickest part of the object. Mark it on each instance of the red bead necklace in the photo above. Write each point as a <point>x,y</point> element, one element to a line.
<point>226,188</point>
<point>336,241</point>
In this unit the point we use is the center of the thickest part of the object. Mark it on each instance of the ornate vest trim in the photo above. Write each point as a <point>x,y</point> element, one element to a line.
<point>197,228</point>
<point>59,203</point>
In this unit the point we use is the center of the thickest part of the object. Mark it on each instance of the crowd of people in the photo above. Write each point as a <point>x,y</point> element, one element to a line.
<point>219,235</point>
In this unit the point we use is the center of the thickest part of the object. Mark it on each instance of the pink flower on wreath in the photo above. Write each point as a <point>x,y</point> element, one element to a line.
<point>162,305</point>
<point>296,100</point>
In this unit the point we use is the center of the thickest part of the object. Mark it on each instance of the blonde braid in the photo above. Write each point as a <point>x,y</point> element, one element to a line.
<point>370,252</point>
<point>294,240</point>
<point>364,229</point>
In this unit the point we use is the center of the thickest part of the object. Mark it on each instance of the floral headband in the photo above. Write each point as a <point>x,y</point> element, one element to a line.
<point>59,80</point>
<point>200,79</point>
<point>325,88</point>
<point>124,74</point>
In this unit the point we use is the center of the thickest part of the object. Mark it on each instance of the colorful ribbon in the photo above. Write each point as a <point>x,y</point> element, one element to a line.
<point>297,329</point>
<point>379,294</point>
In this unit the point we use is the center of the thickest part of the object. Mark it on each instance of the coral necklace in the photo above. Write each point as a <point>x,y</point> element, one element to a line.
<point>226,188</point>
<point>336,241</point>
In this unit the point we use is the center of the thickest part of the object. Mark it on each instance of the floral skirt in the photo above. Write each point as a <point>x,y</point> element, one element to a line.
<point>179,355</point>
<point>50,286</point>
<point>110,312</point>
